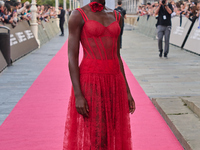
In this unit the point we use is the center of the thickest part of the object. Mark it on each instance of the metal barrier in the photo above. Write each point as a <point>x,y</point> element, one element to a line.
<point>147,27</point>
<point>42,35</point>
<point>47,30</point>
<point>5,44</point>
<point>193,41</point>
<point>3,63</point>
<point>179,32</point>
<point>20,40</point>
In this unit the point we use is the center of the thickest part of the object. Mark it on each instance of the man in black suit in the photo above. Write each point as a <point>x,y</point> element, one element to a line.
<point>62,19</point>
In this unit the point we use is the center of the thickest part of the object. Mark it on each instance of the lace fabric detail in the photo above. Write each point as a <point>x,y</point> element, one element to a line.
<point>104,88</point>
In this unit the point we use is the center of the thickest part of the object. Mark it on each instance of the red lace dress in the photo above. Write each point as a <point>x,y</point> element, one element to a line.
<point>103,86</point>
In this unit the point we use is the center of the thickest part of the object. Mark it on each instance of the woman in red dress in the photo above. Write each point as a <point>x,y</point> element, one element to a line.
<point>100,102</point>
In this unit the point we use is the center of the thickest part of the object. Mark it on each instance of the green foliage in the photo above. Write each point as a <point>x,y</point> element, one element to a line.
<point>47,2</point>
<point>39,2</point>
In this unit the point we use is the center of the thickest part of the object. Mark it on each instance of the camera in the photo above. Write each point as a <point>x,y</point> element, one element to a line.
<point>163,2</point>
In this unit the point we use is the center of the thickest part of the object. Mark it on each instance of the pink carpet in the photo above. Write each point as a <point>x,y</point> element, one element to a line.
<point>37,121</point>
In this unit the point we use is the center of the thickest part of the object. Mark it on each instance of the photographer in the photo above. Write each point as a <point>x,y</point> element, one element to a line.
<point>164,11</point>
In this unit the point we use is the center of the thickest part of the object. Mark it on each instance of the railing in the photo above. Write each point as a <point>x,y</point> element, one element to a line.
<point>20,40</point>
<point>185,35</point>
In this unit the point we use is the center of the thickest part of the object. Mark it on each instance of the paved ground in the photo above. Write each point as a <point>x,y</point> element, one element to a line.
<point>179,75</point>
<point>164,79</point>
<point>16,79</point>
<point>174,83</point>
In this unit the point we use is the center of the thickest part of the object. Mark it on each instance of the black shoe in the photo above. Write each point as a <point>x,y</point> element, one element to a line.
<point>165,55</point>
<point>62,35</point>
<point>161,51</point>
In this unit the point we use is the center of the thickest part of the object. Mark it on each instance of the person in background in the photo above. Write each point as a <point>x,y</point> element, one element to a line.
<point>164,11</point>
<point>1,12</point>
<point>198,13</point>
<point>174,8</point>
<point>123,14</point>
<point>52,12</point>
<point>62,19</point>
<point>149,10</point>
<point>19,7</point>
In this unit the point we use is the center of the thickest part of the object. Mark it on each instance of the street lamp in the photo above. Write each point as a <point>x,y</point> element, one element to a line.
<point>56,8</point>
<point>64,5</point>
<point>34,24</point>
<point>70,4</point>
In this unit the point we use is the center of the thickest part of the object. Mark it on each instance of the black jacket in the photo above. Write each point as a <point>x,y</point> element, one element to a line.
<point>163,12</point>
<point>62,15</point>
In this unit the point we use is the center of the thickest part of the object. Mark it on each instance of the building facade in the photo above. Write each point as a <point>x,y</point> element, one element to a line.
<point>129,5</point>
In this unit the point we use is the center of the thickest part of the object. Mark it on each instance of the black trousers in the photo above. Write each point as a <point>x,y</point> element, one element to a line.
<point>61,26</point>
<point>121,33</point>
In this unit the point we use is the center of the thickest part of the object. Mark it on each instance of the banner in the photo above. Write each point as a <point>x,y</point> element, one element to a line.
<point>193,41</point>
<point>22,40</point>
<point>3,63</point>
<point>178,33</point>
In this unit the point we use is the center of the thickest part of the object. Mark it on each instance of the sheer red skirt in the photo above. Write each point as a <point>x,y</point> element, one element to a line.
<point>108,125</point>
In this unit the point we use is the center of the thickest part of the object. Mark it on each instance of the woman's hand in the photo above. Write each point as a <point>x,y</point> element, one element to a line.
<point>82,106</point>
<point>131,103</point>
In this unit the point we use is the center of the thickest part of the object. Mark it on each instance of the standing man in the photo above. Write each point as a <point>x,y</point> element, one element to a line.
<point>123,14</point>
<point>62,19</point>
<point>164,11</point>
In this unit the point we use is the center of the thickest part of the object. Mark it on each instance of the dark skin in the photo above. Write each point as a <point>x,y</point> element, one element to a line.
<point>76,22</point>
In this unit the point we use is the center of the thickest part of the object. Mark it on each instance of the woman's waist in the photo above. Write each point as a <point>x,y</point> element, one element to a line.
<point>100,66</point>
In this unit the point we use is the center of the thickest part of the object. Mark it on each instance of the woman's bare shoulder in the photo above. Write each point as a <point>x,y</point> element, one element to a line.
<point>75,18</point>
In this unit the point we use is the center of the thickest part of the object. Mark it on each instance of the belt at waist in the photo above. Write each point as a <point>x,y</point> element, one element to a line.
<point>100,66</point>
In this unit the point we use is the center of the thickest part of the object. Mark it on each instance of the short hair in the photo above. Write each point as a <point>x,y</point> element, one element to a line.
<point>61,5</point>
<point>119,2</point>
<point>16,4</point>
<point>2,4</point>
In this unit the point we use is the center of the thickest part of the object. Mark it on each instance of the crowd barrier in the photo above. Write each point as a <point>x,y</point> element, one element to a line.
<point>4,47</point>
<point>22,39</point>
<point>47,30</point>
<point>179,32</point>
<point>147,26</point>
<point>3,63</point>
<point>193,41</point>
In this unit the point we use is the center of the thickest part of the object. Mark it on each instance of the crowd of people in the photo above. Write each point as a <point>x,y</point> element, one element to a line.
<point>12,12</point>
<point>189,9</point>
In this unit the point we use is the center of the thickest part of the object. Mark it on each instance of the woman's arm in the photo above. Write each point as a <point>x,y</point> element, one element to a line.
<point>75,25</point>
<point>130,98</point>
